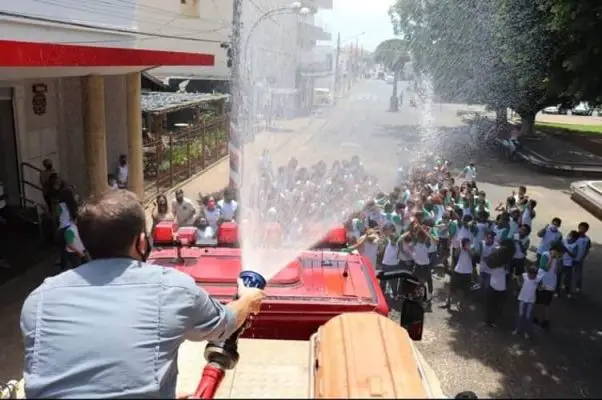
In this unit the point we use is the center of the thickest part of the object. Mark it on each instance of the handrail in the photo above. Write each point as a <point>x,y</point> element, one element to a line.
<point>33,185</point>
<point>40,210</point>
<point>25,182</point>
<point>29,165</point>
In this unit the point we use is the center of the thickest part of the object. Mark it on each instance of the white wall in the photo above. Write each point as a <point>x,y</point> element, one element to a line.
<point>214,23</point>
<point>58,133</point>
<point>119,15</point>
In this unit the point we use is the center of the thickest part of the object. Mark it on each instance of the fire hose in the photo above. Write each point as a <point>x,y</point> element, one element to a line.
<point>223,356</point>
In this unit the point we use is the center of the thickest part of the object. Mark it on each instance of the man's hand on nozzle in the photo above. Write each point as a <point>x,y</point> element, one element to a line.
<point>250,296</point>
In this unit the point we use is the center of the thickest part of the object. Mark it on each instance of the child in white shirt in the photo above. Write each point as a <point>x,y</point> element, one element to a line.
<point>526,301</point>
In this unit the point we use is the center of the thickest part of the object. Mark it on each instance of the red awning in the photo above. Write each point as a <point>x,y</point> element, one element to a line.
<point>36,54</point>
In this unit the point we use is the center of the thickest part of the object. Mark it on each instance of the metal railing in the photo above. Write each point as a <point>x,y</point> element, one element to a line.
<point>40,210</point>
<point>25,183</point>
<point>179,155</point>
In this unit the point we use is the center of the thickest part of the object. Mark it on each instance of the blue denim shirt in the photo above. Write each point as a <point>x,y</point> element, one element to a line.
<point>112,328</point>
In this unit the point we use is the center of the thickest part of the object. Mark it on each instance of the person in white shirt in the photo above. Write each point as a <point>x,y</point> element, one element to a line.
<point>528,213</point>
<point>75,252</point>
<point>204,232</point>
<point>122,172</point>
<point>461,276</point>
<point>521,246</point>
<point>549,265</point>
<point>584,245</point>
<point>212,213</point>
<point>526,301</point>
<point>390,260</point>
<point>420,255</point>
<point>484,250</point>
<point>406,255</point>
<point>565,274</point>
<point>469,173</point>
<point>183,209</point>
<point>228,206</point>
<point>496,293</point>
<point>367,245</point>
<point>549,235</point>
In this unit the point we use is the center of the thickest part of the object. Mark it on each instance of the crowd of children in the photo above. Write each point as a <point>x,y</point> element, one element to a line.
<point>434,219</point>
<point>432,223</point>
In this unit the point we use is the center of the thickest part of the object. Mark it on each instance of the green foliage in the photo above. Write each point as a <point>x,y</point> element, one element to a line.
<point>522,54</point>
<point>392,53</point>
<point>191,149</point>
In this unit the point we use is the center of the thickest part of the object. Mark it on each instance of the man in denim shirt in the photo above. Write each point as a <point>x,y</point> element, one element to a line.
<point>112,327</point>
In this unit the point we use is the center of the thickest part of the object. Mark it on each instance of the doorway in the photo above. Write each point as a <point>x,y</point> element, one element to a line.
<point>10,190</point>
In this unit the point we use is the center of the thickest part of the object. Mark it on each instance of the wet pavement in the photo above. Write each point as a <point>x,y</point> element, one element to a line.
<point>465,355</point>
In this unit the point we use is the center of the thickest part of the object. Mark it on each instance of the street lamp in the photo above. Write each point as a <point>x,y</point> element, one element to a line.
<point>294,8</point>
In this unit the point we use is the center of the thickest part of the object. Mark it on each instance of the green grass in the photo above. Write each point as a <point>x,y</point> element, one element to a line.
<point>585,129</point>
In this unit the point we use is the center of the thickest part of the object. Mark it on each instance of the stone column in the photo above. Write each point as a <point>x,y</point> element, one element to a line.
<point>135,146</point>
<point>95,141</point>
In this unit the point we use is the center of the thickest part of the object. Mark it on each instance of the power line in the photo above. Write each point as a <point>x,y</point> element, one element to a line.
<point>110,11</point>
<point>262,11</point>
<point>32,17</point>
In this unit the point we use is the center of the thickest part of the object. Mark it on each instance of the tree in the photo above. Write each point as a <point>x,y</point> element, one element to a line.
<point>393,54</point>
<point>578,24</point>
<point>501,53</point>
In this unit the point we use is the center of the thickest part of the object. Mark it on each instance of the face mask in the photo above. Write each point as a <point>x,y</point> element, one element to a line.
<point>553,228</point>
<point>147,248</point>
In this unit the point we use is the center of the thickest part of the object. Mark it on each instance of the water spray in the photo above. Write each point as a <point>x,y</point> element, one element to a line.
<point>223,356</point>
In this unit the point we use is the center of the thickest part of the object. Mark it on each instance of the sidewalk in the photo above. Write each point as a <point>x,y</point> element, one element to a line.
<point>551,154</point>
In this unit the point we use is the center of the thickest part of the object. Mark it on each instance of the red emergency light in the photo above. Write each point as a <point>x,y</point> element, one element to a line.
<point>187,235</point>
<point>165,232</point>
<point>337,236</point>
<point>227,233</point>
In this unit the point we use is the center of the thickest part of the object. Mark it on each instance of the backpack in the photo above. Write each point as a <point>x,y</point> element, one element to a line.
<point>501,256</point>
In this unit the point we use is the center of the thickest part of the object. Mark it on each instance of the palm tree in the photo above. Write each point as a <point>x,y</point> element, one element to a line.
<point>393,54</point>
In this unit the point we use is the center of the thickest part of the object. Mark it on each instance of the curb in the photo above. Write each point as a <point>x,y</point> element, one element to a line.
<point>539,161</point>
<point>580,195</point>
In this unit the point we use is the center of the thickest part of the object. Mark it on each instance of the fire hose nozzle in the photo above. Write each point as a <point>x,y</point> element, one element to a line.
<point>225,354</point>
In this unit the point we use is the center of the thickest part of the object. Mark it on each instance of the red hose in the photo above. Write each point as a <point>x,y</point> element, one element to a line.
<point>210,380</point>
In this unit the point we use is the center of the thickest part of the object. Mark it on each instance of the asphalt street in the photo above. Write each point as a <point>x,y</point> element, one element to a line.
<point>465,355</point>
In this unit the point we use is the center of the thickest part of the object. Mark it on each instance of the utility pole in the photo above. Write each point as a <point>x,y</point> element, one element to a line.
<point>236,118</point>
<point>356,62</point>
<point>337,68</point>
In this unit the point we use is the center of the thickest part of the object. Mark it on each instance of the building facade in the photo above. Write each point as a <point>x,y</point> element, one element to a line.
<point>70,89</point>
<point>273,38</point>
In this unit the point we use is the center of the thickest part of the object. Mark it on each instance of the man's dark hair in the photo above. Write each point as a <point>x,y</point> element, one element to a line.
<point>110,222</point>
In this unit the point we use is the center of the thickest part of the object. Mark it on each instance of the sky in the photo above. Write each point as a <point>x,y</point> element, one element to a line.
<point>352,17</point>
